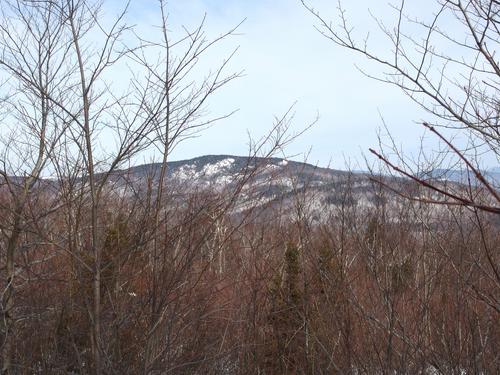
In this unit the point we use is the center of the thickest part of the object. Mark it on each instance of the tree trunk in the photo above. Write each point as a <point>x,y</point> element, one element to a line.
<point>8,298</point>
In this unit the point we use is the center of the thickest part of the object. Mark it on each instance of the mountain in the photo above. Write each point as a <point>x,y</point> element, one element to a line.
<point>463,176</point>
<point>217,171</point>
<point>267,182</point>
<point>288,185</point>
<point>273,183</point>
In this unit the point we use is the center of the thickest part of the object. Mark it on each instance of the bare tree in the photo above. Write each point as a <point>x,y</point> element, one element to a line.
<point>33,65</point>
<point>57,61</point>
<point>454,76</point>
<point>463,96</point>
<point>446,63</point>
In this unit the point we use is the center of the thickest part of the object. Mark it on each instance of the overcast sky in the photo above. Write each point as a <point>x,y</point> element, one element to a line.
<point>286,61</point>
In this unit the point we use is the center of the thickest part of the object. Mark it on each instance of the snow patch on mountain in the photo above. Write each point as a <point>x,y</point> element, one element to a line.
<point>218,167</point>
<point>185,172</point>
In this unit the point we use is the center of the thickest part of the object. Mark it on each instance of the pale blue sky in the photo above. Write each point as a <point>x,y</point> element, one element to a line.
<point>285,60</point>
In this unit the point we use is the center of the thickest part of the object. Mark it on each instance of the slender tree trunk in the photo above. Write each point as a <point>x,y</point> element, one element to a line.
<point>7,321</point>
<point>96,250</point>
<point>8,299</point>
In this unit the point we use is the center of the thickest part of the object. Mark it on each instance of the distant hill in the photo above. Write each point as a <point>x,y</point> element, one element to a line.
<point>464,176</point>
<point>272,182</point>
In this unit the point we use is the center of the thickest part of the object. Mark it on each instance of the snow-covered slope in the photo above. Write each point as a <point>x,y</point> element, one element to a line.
<point>266,181</point>
<point>287,184</point>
